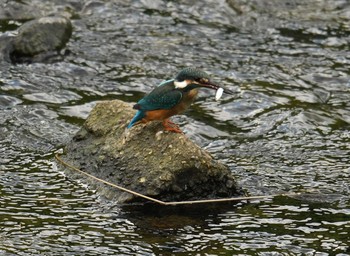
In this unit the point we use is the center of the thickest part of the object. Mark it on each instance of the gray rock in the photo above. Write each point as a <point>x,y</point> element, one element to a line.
<point>42,35</point>
<point>146,159</point>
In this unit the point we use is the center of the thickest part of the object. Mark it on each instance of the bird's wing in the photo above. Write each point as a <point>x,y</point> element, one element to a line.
<point>162,97</point>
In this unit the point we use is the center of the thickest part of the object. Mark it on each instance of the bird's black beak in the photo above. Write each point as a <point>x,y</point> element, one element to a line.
<point>213,86</point>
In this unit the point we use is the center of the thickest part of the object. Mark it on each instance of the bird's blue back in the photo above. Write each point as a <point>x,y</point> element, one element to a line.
<point>164,96</point>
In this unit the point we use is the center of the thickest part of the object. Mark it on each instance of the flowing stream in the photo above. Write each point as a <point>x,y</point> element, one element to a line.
<point>286,129</point>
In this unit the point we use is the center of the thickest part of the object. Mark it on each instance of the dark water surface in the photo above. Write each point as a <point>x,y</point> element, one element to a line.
<point>287,129</point>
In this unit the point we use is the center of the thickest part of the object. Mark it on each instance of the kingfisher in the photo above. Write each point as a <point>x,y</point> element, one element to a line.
<point>172,97</point>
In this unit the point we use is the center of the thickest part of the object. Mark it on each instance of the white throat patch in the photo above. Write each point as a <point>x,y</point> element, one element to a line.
<point>181,85</point>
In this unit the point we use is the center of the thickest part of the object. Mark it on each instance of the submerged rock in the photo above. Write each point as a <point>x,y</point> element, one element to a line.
<point>163,165</point>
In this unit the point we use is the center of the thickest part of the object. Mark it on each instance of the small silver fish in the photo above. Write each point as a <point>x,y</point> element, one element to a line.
<point>219,93</point>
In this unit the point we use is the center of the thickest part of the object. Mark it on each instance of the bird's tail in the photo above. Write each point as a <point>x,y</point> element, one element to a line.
<point>138,116</point>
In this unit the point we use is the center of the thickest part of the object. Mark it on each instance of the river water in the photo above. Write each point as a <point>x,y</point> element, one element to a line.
<point>287,128</point>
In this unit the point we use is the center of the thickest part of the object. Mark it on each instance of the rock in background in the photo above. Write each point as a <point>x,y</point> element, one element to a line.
<point>163,165</point>
<point>40,38</point>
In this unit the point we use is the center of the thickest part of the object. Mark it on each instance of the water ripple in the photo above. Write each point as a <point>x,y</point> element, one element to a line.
<point>286,129</point>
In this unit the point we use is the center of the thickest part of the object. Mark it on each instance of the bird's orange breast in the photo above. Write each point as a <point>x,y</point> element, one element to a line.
<point>159,114</point>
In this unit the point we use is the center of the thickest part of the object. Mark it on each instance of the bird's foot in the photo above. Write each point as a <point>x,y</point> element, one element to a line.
<point>171,127</point>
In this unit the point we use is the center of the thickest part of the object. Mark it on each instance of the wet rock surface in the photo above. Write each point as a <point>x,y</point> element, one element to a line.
<point>167,166</point>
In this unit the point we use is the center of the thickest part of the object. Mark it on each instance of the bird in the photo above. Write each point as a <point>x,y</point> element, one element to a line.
<point>172,97</point>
